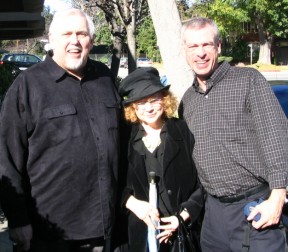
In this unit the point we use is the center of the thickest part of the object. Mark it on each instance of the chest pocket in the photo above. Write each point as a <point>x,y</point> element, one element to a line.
<point>62,122</point>
<point>112,114</point>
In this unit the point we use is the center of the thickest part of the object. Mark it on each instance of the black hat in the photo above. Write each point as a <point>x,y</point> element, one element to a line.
<point>141,83</point>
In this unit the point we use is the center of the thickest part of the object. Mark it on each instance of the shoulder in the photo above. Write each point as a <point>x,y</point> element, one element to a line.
<point>176,124</point>
<point>100,68</point>
<point>245,72</point>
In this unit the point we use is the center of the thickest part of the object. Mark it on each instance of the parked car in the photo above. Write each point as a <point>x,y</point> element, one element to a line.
<point>21,60</point>
<point>281,92</point>
<point>280,88</point>
<point>144,62</point>
<point>124,62</point>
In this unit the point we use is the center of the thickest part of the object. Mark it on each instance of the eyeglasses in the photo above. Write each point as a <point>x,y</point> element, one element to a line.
<point>154,102</point>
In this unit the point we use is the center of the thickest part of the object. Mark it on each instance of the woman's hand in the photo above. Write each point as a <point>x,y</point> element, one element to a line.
<point>168,229</point>
<point>172,226</point>
<point>144,211</point>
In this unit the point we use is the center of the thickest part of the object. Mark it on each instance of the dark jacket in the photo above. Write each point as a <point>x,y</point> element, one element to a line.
<point>59,151</point>
<point>180,179</point>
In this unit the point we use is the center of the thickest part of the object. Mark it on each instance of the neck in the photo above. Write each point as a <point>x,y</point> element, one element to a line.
<point>153,129</point>
<point>202,84</point>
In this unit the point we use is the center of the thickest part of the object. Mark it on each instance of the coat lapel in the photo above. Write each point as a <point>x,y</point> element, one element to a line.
<point>172,143</point>
<point>139,164</point>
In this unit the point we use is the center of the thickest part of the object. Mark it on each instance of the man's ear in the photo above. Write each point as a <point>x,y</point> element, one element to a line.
<point>51,41</point>
<point>92,42</point>
<point>219,47</point>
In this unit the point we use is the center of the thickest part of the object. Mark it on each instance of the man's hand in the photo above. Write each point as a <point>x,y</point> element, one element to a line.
<point>144,211</point>
<point>270,210</point>
<point>22,237</point>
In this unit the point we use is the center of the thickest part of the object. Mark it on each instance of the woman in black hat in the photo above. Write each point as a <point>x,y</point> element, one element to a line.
<point>161,144</point>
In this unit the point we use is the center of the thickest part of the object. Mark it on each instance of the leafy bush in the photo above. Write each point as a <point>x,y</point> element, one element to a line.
<point>8,73</point>
<point>227,58</point>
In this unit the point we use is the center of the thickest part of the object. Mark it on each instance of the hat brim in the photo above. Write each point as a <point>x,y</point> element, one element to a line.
<point>130,100</point>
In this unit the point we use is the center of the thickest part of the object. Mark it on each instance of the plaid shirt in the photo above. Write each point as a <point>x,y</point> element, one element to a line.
<point>240,130</point>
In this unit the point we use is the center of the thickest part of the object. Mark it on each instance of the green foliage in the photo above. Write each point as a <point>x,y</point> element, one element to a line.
<point>239,50</point>
<point>226,58</point>
<point>146,40</point>
<point>8,73</point>
<point>103,35</point>
<point>183,8</point>
<point>226,14</point>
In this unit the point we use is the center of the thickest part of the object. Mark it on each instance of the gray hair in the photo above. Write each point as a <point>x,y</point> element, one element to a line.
<point>197,23</point>
<point>59,15</point>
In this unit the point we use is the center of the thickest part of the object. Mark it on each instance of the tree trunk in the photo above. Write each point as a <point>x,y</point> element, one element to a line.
<point>265,53</point>
<point>131,44</point>
<point>117,49</point>
<point>167,26</point>
<point>265,44</point>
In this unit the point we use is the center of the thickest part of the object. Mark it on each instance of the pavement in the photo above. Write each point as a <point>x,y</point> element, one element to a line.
<point>276,75</point>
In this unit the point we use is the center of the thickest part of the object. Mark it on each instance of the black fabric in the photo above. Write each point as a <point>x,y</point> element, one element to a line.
<point>58,147</point>
<point>186,240</point>
<point>244,195</point>
<point>152,162</point>
<point>223,228</point>
<point>179,178</point>
<point>141,83</point>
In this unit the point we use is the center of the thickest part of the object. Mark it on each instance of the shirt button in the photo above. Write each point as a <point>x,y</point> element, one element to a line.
<point>169,192</point>
<point>92,119</point>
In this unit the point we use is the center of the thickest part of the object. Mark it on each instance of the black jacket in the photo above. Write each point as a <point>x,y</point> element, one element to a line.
<point>179,176</point>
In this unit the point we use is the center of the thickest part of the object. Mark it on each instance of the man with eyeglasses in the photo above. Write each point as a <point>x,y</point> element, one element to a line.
<point>241,146</point>
<point>59,146</point>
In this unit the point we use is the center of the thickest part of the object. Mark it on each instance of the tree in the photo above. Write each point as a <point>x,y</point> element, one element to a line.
<point>226,14</point>
<point>270,17</point>
<point>123,16</point>
<point>167,26</point>
<point>146,40</point>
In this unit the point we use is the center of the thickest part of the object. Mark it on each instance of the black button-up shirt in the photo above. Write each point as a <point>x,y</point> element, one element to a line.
<point>59,151</point>
<point>241,132</point>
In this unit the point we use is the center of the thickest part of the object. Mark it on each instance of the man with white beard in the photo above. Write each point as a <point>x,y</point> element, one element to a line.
<point>59,146</point>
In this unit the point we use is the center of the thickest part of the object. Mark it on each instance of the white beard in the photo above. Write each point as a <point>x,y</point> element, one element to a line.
<point>75,64</point>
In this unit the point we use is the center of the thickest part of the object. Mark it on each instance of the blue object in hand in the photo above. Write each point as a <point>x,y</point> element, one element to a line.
<point>249,207</point>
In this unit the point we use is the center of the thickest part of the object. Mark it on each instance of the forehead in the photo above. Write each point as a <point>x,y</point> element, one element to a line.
<point>157,95</point>
<point>72,22</point>
<point>199,35</point>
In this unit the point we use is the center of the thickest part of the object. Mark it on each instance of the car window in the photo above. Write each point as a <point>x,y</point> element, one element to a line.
<point>32,59</point>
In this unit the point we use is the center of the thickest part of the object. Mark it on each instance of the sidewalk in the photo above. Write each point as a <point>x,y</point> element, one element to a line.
<point>275,75</point>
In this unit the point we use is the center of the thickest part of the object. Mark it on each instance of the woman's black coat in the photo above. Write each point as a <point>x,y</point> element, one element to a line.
<point>180,179</point>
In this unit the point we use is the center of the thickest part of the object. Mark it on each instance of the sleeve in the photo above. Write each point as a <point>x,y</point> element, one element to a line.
<point>13,156</point>
<point>271,128</point>
<point>195,202</point>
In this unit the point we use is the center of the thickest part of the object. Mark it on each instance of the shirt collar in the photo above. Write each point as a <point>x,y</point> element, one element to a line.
<point>58,72</point>
<point>141,132</point>
<point>215,78</point>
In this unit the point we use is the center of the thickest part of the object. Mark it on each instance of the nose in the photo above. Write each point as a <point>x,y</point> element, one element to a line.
<point>200,51</point>
<point>74,38</point>
<point>148,106</point>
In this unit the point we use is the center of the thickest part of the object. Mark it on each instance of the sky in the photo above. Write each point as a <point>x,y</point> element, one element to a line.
<point>56,5</point>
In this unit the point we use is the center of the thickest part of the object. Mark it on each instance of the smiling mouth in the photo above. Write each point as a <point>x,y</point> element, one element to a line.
<point>74,51</point>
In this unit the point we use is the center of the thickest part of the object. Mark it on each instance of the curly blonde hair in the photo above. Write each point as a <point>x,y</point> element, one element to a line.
<point>170,105</point>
